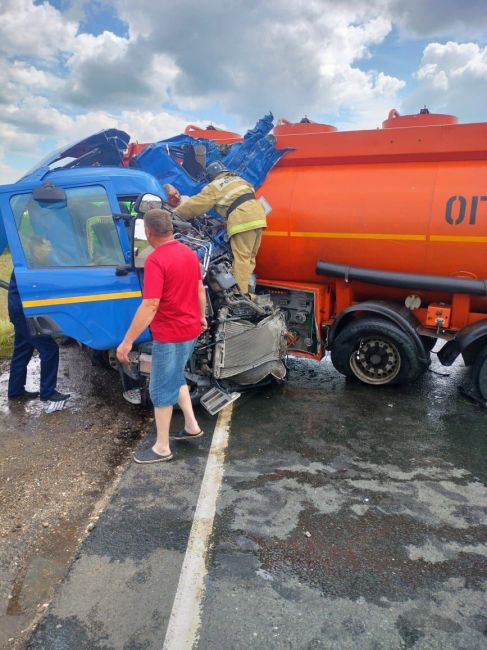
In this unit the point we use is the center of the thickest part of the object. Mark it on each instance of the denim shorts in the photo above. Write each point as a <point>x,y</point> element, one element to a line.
<point>167,372</point>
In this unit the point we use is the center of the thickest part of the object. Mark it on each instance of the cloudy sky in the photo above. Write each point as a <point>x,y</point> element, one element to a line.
<point>72,67</point>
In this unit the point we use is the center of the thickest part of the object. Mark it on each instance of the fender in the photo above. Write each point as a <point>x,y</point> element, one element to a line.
<point>467,342</point>
<point>398,314</point>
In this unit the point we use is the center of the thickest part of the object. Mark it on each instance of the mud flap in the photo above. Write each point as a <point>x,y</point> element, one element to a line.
<point>215,399</point>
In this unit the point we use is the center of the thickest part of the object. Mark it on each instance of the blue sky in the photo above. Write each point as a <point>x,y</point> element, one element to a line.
<point>72,67</point>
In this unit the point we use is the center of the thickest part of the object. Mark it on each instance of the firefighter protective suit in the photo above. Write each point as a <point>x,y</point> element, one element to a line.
<point>234,199</point>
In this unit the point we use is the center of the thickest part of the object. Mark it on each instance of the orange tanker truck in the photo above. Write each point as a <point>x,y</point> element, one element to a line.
<point>376,245</point>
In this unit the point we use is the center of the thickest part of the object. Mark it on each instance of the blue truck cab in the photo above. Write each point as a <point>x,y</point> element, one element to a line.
<point>85,285</point>
<point>74,228</point>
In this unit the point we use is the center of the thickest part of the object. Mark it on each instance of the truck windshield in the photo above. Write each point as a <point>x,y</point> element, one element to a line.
<point>77,232</point>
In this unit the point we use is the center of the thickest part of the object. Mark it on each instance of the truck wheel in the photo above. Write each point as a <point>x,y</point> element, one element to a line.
<point>376,352</point>
<point>479,373</point>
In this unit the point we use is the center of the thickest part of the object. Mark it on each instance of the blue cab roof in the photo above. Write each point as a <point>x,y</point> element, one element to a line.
<point>125,180</point>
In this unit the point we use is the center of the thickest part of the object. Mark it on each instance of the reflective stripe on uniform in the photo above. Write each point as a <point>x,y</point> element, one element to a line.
<point>243,227</point>
<point>223,202</point>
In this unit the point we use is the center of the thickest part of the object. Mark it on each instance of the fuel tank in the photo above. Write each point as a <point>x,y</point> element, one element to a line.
<point>408,197</point>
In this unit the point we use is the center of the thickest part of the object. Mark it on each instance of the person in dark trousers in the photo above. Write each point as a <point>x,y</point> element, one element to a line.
<point>25,344</point>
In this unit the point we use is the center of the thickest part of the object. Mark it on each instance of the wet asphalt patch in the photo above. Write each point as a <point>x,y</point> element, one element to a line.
<point>351,518</point>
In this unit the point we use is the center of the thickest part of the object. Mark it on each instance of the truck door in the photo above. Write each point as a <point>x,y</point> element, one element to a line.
<point>67,256</point>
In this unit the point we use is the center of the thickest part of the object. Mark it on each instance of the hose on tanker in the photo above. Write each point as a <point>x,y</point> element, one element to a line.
<point>3,285</point>
<point>403,280</point>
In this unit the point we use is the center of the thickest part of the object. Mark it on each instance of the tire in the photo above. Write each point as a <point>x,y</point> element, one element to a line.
<point>376,352</point>
<point>479,373</point>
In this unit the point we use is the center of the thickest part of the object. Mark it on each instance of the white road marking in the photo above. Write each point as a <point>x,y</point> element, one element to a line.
<point>185,618</point>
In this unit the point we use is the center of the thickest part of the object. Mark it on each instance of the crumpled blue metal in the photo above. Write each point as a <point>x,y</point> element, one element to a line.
<point>251,159</point>
<point>161,162</point>
<point>102,148</point>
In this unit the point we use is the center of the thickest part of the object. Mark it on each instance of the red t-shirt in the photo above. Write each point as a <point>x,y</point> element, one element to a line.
<point>172,273</point>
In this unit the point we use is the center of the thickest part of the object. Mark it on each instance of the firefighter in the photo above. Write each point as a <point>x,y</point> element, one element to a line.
<point>234,199</point>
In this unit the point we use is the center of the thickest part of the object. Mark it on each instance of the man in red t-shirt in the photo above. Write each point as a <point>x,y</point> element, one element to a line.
<point>174,305</point>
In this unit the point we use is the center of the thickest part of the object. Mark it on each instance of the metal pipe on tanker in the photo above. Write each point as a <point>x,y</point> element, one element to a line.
<point>404,280</point>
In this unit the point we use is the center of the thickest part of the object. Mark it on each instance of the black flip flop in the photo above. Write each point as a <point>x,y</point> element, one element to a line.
<point>151,456</point>
<point>184,435</point>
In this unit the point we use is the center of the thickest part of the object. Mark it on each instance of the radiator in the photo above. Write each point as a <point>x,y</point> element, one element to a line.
<point>243,346</point>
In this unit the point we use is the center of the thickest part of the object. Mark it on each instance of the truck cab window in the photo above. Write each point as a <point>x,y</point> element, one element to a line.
<point>79,231</point>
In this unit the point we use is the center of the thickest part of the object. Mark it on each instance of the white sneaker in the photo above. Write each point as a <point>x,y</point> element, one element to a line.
<point>133,396</point>
<point>56,405</point>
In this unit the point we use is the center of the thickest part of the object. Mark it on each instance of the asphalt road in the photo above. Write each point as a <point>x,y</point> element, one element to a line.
<point>348,518</point>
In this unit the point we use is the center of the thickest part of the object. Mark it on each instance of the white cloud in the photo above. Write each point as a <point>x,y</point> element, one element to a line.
<point>465,18</point>
<point>33,79</point>
<point>20,79</point>
<point>452,77</point>
<point>15,140</point>
<point>35,115</point>
<point>102,71</point>
<point>145,126</point>
<point>7,173</point>
<point>282,55</point>
<point>40,30</point>
<point>111,71</point>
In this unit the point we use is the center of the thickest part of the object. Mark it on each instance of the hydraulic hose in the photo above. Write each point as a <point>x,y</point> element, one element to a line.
<point>439,283</point>
<point>4,285</point>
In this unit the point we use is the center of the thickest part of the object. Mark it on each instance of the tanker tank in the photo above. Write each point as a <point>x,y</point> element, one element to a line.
<point>409,197</point>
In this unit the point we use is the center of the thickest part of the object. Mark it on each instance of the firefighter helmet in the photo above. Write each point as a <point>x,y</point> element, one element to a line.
<point>215,168</point>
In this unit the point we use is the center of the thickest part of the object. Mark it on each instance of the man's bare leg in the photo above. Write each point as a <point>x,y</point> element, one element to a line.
<point>184,400</point>
<point>163,416</point>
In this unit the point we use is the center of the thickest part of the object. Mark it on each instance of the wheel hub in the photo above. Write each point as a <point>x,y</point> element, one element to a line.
<point>377,361</point>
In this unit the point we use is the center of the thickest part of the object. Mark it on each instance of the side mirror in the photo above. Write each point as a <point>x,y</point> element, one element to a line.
<point>49,193</point>
<point>147,202</point>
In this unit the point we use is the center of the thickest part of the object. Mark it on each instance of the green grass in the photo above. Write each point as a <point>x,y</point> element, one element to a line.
<point>6,329</point>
